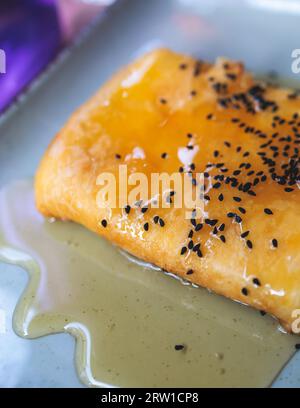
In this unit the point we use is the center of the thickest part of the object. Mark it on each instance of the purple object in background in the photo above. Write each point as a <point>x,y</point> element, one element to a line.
<point>32,32</point>
<point>30,37</point>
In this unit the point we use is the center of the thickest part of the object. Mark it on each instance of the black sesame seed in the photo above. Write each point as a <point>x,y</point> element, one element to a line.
<point>245,234</point>
<point>262,312</point>
<point>221,197</point>
<point>246,187</point>
<point>252,193</point>
<point>212,223</point>
<point>164,155</point>
<point>183,250</point>
<point>163,101</point>
<point>199,253</point>
<point>245,291</point>
<point>231,76</point>
<point>256,281</point>
<point>127,209</point>
<point>196,247</point>
<point>237,199</point>
<point>146,226</point>
<point>249,244</point>
<point>190,272</point>
<point>197,68</point>
<point>222,227</point>
<point>238,219</point>
<point>198,227</point>
<point>144,209</point>
<point>156,219</point>
<point>161,222</point>
<point>191,233</point>
<point>118,156</point>
<point>230,215</point>
<point>268,211</point>
<point>190,245</point>
<point>179,347</point>
<point>242,210</point>
<point>275,243</point>
<point>104,223</point>
<point>222,238</point>
<point>193,222</point>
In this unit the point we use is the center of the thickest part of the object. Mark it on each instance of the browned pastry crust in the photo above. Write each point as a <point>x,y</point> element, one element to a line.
<point>160,104</point>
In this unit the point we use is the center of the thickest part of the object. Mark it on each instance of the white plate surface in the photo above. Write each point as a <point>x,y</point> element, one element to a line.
<point>261,33</point>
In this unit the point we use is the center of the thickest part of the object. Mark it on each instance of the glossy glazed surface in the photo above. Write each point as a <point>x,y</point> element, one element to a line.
<point>127,316</point>
<point>207,29</point>
<point>167,112</point>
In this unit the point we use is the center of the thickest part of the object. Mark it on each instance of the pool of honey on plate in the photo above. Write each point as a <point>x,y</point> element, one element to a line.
<point>128,317</point>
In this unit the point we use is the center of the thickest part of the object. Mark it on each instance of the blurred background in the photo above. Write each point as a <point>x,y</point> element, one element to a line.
<point>33,32</point>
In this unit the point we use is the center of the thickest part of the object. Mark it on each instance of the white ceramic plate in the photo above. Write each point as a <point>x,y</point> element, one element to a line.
<point>262,33</point>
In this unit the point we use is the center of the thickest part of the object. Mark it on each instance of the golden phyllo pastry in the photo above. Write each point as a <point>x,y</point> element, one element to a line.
<point>168,112</point>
